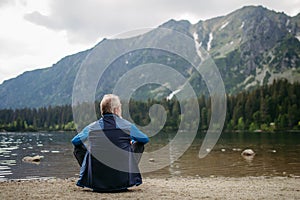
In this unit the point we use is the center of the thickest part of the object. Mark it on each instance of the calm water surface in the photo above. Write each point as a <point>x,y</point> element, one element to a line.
<point>277,154</point>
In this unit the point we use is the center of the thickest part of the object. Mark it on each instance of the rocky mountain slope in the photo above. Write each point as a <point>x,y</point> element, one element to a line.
<point>250,46</point>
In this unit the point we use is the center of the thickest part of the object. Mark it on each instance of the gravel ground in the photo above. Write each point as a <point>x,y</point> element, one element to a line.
<point>154,188</point>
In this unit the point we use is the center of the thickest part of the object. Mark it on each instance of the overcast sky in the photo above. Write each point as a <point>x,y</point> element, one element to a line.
<point>38,33</point>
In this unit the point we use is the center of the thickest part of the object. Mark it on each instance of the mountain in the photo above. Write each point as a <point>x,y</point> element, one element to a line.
<point>42,87</point>
<point>250,46</point>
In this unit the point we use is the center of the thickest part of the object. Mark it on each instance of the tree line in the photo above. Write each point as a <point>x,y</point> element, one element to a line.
<point>267,108</point>
<point>31,119</point>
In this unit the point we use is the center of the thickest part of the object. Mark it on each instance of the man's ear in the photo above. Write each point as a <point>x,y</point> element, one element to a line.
<point>116,111</point>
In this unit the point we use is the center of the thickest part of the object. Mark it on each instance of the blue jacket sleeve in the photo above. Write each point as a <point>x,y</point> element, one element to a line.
<point>81,137</point>
<point>138,135</point>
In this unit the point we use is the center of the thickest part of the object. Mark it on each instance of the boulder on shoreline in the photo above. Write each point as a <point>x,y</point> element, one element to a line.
<point>32,159</point>
<point>248,152</point>
<point>248,155</point>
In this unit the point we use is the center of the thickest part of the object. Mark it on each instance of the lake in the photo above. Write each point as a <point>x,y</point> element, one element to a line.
<point>277,154</point>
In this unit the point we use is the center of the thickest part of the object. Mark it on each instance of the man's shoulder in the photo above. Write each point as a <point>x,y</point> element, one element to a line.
<point>123,123</point>
<point>95,125</point>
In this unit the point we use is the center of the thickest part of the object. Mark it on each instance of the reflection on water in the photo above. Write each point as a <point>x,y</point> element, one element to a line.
<point>276,154</point>
<point>55,149</point>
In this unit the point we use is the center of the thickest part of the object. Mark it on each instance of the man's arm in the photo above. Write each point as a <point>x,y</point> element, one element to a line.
<point>138,135</point>
<point>80,137</point>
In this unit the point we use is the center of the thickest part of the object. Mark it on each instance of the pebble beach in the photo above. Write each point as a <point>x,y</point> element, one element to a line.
<point>155,188</point>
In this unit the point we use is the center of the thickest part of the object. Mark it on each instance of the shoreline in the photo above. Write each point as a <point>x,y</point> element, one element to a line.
<point>159,188</point>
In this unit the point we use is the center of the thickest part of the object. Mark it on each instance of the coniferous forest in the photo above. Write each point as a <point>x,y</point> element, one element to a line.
<point>272,107</point>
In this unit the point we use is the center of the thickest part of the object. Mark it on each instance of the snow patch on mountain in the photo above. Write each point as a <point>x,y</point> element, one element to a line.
<point>211,37</point>
<point>223,26</point>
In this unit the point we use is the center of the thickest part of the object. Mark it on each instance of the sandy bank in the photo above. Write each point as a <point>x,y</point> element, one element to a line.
<point>172,188</point>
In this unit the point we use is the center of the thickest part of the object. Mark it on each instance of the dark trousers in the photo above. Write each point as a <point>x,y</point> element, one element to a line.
<point>80,151</point>
<point>138,148</point>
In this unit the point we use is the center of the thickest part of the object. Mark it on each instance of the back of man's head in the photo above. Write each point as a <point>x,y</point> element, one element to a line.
<point>109,103</point>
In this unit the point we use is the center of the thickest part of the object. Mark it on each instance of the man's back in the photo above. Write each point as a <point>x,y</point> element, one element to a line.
<point>104,150</point>
<point>109,164</point>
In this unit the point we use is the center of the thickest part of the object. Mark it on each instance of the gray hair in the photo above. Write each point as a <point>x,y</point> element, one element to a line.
<point>109,103</point>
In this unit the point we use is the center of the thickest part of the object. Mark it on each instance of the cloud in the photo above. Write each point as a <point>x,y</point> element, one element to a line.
<point>91,19</point>
<point>6,2</point>
<point>87,20</point>
<point>11,47</point>
<point>43,20</point>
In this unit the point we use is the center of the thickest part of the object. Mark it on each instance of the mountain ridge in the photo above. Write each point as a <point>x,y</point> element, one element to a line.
<point>250,46</point>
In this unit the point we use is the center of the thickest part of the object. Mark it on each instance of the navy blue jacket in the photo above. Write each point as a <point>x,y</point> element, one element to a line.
<point>109,163</point>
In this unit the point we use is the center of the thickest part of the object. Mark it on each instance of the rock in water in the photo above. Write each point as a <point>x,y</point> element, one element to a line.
<point>248,152</point>
<point>32,158</point>
<point>248,155</point>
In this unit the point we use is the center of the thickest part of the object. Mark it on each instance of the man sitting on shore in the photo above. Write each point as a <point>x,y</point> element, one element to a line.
<point>109,150</point>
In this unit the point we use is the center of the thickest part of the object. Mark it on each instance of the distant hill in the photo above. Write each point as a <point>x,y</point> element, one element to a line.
<point>251,46</point>
<point>42,87</point>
